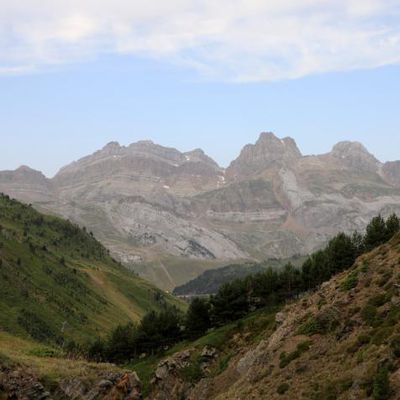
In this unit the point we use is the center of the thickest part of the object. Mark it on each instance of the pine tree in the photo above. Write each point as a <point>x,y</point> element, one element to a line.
<point>198,318</point>
<point>376,233</point>
<point>392,226</point>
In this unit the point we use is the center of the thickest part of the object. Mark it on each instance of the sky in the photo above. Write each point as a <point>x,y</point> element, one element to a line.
<point>75,75</point>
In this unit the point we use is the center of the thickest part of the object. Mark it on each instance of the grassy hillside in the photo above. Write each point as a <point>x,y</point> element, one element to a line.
<point>58,283</point>
<point>168,272</point>
<point>339,342</point>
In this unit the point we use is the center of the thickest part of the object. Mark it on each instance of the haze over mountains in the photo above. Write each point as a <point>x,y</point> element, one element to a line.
<point>173,210</point>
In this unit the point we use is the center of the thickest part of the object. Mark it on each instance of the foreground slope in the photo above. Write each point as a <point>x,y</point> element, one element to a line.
<point>339,342</point>
<point>59,284</point>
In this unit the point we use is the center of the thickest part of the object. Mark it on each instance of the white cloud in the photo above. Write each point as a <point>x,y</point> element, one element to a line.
<point>239,40</point>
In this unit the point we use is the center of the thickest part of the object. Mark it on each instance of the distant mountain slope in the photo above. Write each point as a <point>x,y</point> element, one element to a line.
<point>58,283</point>
<point>210,281</point>
<point>159,207</point>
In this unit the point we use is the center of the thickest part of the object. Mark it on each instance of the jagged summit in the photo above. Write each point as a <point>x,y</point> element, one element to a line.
<point>355,155</point>
<point>111,146</point>
<point>267,151</point>
<point>25,173</point>
<point>347,148</point>
<point>269,140</point>
<point>198,155</point>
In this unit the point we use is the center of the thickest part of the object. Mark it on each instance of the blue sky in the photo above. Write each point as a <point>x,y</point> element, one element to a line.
<point>67,87</point>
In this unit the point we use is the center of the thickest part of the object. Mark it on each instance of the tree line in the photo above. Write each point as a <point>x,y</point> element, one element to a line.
<point>234,300</point>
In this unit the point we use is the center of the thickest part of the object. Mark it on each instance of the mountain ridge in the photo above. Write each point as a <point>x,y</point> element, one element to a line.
<point>155,204</point>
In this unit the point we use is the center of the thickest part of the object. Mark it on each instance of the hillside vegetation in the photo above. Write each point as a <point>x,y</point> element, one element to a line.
<point>210,281</point>
<point>338,342</point>
<point>58,284</point>
<point>327,330</point>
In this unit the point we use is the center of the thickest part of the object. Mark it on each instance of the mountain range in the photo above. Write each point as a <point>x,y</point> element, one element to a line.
<point>171,215</point>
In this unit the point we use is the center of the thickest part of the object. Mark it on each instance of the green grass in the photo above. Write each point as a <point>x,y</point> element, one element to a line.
<point>253,327</point>
<point>58,283</point>
<point>48,363</point>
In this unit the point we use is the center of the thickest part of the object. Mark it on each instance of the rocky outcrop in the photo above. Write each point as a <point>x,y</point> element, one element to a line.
<point>172,379</point>
<point>167,382</point>
<point>20,383</point>
<point>109,386</point>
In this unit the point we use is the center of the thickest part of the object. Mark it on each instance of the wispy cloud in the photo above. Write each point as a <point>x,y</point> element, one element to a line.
<point>236,40</point>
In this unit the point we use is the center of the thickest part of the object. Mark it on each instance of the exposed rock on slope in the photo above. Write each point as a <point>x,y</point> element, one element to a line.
<point>150,203</point>
<point>26,184</point>
<point>341,342</point>
<point>20,383</point>
<point>391,172</point>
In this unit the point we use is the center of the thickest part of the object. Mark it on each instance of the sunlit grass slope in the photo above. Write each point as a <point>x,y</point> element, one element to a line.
<point>58,283</point>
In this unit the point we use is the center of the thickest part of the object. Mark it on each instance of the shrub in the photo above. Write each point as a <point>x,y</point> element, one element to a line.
<point>365,266</point>
<point>286,359</point>
<point>350,281</point>
<point>363,339</point>
<point>35,326</point>
<point>326,321</point>
<point>395,346</point>
<point>380,299</point>
<point>283,388</point>
<point>381,335</point>
<point>369,314</point>
<point>193,372</point>
<point>381,386</point>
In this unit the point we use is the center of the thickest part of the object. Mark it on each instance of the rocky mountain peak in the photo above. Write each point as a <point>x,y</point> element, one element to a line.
<point>148,148</point>
<point>26,184</point>
<point>267,151</point>
<point>25,173</point>
<point>112,147</point>
<point>198,155</point>
<point>355,155</point>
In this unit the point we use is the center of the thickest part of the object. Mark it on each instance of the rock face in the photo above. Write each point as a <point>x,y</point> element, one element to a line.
<point>391,172</point>
<point>268,152</point>
<point>110,386</point>
<point>154,204</point>
<point>167,382</point>
<point>170,380</point>
<point>19,383</point>
<point>27,185</point>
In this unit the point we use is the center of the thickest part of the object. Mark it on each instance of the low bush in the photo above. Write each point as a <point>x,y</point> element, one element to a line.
<point>381,385</point>
<point>286,359</point>
<point>283,388</point>
<point>350,281</point>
